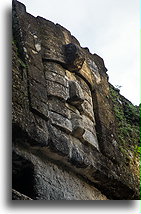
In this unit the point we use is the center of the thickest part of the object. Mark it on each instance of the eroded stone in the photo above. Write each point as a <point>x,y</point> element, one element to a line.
<point>74,57</point>
<point>90,138</point>
<point>57,90</point>
<point>61,122</point>
<point>76,96</point>
<point>58,141</point>
<point>77,125</point>
<point>59,107</point>
<point>52,76</point>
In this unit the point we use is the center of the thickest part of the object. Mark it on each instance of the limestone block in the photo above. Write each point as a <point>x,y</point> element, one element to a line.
<point>90,138</point>
<point>88,124</point>
<point>77,158</point>
<point>56,78</point>
<point>77,125</point>
<point>54,67</point>
<point>52,40</point>
<point>35,58</point>
<point>71,76</point>
<point>58,141</point>
<point>38,131</point>
<point>85,87</point>
<point>61,122</point>
<point>88,97</point>
<point>36,74</point>
<point>57,90</point>
<point>38,98</point>
<point>87,110</point>
<point>39,107</point>
<point>59,107</point>
<point>72,109</point>
<point>38,90</point>
<point>74,57</point>
<point>94,70</point>
<point>76,96</point>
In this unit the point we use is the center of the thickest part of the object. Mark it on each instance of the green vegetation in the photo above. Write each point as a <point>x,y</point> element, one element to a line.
<point>127,119</point>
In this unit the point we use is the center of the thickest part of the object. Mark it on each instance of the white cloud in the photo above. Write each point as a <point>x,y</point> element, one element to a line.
<point>107,27</point>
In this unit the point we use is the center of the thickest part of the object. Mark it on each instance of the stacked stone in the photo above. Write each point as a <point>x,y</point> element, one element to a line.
<point>59,100</point>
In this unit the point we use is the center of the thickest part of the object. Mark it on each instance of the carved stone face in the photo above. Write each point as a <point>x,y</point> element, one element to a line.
<point>70,105</point>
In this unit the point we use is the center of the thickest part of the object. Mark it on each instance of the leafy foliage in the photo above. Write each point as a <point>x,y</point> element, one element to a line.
<point>127,118</point>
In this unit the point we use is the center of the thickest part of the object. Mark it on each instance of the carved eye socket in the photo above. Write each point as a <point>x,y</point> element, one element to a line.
<point>76,96</point>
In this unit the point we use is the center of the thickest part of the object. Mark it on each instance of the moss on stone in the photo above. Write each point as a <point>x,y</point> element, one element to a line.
<point>128,129</point>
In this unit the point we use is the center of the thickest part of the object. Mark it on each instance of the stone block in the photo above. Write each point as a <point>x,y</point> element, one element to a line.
<point>94,70</point>
<point>58,106</point>
<point>39,107</point>
<point>52,76</point>
<point>87,74</point>
<point>35,58</point>
<point>38,131</point>
<point>77,126</point>
<point>36,74</point>
<point>74,57</point>
<point>85,87</point>
<point>77,158</point>
<point>58,141</point>
<point>72,109</point>
<point>76,96</point>
<point>71,76</point>
<point>38,90</point>
<point>87,110</point>
<point>61,122</point>
<point>57,90</point>
<point>88,97</point>
<point>90,138</point>
<point>52,40</point>
<point>88,124</point>
<point>54,67</point>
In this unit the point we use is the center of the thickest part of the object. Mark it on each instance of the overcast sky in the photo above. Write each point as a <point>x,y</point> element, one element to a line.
<point>109,28</point>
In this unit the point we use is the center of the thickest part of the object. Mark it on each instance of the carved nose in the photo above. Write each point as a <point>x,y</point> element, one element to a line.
<point>74,57</point>
<point>76,96</point>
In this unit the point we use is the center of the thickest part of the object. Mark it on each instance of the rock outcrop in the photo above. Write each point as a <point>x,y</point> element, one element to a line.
<point>65,134</point>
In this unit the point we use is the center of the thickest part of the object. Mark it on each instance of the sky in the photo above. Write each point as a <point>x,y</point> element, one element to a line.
<point>109,28</point>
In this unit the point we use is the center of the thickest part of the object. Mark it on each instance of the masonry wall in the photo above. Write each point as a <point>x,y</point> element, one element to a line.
<point>64,130</point>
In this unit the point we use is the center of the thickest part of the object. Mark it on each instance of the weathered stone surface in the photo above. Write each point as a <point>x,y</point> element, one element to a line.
<point>72,109</point>
<point>56,105</point>
<point>74,57</point>
<point>54,67</point>
<point>52,41</point>
<point>61,122</point>
<point>54,183</point>
<point>87,110</point>
<point>89,137</point>
<point>58,141</point>
<point>76,96</point>
<point>88,124</point>
<point>38,98</point>
<point>64,123</point>
<point>52,76</point>
<point>77,126</point>
<point>57,90</point>
<point>36,74</point>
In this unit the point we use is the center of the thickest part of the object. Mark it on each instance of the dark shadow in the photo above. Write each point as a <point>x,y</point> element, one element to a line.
<point>22,175</point>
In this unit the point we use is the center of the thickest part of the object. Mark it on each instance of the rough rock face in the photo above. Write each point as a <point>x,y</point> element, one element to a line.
<point>65,143</point>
